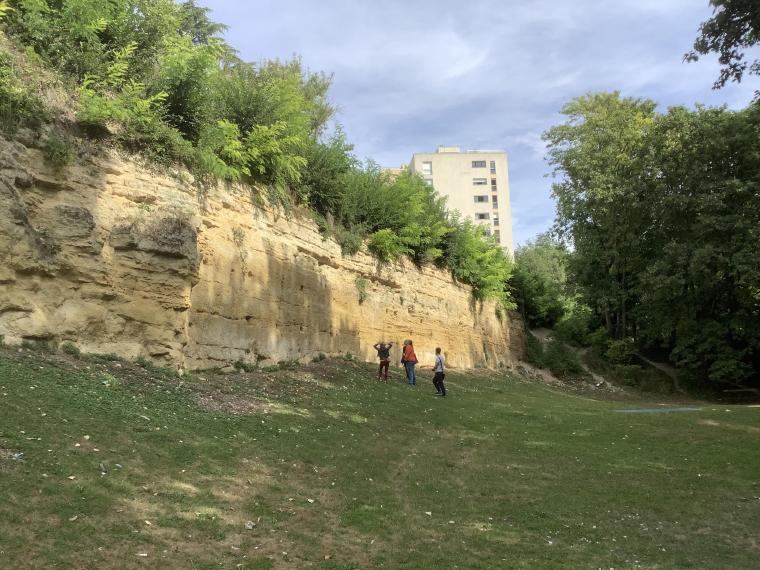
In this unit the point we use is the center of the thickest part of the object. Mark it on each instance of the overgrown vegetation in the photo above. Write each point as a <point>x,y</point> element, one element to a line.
<point>155,77</point>
<point>361,289</point>
<point>19,106</point>
<point>57,152</point>
<point>663,213</point>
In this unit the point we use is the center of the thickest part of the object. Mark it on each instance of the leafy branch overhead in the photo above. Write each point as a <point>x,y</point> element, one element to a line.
<point>733,29</point>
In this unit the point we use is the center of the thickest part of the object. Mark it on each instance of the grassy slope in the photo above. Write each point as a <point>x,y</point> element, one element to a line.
<point>531,478</point>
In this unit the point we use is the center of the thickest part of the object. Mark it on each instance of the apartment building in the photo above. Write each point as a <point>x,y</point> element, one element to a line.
<point>476,183</point>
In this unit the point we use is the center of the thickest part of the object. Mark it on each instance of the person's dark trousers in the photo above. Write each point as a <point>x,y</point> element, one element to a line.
<point>438,383</point>
<point>382,372</point>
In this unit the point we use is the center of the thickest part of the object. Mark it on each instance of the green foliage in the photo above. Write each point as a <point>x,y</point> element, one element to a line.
<point>540,281</point>
<point>734,27</point>
<point>361,289</point>
<point>288,364</point>
<point>4,8</point>
<point>620,352</point>
<point>554,355</point>
<point>71,349</point>
<point>574,326</point>
<point>57,152</point>
<point>561,359</point>
<point>476,260</point>
<point>245,366</point>
<point>319,357</point>
<point>387,246</point>
<point>664,216</point>
<point>350,242</point>
<point>19,106</point>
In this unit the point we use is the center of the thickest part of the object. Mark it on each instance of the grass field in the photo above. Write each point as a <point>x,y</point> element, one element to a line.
<point>128,467</point>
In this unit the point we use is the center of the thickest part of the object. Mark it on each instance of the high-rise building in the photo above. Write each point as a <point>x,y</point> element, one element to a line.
<point>476,183</point>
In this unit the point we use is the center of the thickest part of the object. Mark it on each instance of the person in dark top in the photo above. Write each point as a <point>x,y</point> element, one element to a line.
<point>439,373</point>
<point>384,354</point>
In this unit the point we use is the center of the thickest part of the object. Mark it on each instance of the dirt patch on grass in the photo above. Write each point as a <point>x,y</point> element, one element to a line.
<point>10,458</point>
<point>232,404</point>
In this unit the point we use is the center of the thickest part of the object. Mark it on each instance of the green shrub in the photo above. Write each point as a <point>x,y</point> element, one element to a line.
<point>620,352</point>
<point>361,289</point>
<point>561,359</point>
<point>350,242</point>
<point>387,246</point>
<point>319,357</point>
<point>288,364</point>
<point>599,341</point>
<point>19,106</point>
<point>57,152</point>
<point>245,366</point>
<point>534,351</point>
<point>573,326</point>
<point>71,349</point>
<point>108,380</point>
<point>271,368</point>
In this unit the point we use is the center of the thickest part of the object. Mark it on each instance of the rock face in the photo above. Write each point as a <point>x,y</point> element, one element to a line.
<point>117,259</point>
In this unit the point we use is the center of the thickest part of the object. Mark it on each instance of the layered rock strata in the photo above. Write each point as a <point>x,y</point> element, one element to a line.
<point>118,259</point>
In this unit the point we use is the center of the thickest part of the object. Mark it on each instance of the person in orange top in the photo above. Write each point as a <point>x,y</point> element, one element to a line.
<point>409,360</point>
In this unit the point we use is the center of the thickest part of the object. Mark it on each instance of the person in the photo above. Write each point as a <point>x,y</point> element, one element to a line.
<point>384,354</point>
<point>409,360</point>
<point>439,373</point>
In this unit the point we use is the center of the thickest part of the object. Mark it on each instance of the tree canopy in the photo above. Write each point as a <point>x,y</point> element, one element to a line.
<point>662,211</point>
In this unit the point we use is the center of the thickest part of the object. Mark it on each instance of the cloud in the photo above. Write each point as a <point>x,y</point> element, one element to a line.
<point>484,74</point>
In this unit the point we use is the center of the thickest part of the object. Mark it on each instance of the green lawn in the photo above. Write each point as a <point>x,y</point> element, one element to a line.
<point>338,471</point>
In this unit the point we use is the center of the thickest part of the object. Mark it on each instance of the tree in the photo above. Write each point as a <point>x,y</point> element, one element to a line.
<point>734,27</point>
<point>663,212</point>
<point>540,280</point>
<point>598,151</point>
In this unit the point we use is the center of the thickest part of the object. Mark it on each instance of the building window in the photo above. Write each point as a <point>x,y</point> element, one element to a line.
<point>429,181</point>
<point>478,163</point>
<point>479,181</point>
<point>481,199</point>
<point>497,234</point>
<point>493,184</point>
<point>496,221</point>
<point>495,201</point>
<point>493,167</point>
<point>427,168</point>
<point>482,216</point>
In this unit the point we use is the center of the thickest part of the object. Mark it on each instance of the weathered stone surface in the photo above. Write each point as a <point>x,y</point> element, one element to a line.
<point>118,259</point>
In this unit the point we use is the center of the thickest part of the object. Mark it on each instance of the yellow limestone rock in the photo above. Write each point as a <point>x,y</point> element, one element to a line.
<point>118,259</point>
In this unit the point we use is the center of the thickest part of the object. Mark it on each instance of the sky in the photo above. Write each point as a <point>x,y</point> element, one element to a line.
<point>409,75</point>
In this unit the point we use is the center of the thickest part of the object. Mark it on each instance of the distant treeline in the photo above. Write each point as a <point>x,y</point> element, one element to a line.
<point>657,239</point>
<point>156,77</point>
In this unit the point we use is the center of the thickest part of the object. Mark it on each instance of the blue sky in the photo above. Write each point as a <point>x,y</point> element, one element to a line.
<point>410,75</point>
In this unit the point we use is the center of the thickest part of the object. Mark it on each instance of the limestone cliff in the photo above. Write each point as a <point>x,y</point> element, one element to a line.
<point>115,258</point>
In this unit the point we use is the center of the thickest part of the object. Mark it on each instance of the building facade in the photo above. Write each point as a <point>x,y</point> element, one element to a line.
<point>475,182</point>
